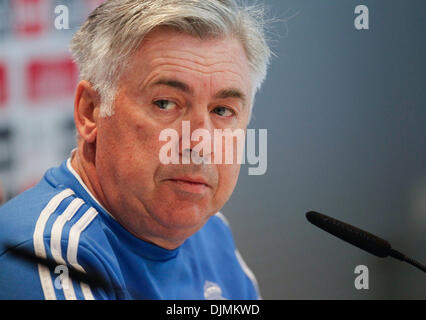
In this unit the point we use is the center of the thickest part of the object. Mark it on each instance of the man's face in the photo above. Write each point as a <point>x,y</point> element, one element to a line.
<point>172,78</point>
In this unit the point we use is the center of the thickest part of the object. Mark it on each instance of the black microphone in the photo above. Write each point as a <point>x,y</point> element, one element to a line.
<point>359,238</point>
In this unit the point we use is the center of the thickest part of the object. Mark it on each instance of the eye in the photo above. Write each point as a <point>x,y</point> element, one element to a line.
<point>224,111</point>
<point>165,104</point>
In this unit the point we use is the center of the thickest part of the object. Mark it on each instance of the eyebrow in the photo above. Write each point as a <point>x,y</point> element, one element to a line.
<point>174,84</point>
<point>222,94</point>
<point>231,93</point>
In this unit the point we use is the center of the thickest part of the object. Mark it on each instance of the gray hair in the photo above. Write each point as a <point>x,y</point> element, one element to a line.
<point>114,31</point>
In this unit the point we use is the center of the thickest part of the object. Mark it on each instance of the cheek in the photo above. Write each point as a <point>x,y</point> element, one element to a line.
<point>228,177</point>
<point>131,151</point>
<point>142,154</point>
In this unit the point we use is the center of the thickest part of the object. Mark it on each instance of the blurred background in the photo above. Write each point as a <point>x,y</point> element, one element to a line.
<point>345,111</point>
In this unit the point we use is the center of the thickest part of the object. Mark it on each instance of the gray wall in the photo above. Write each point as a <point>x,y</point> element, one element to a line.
<point>346,117</point>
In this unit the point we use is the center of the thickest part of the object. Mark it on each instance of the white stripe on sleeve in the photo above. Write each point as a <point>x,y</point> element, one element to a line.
<point>38,240</point>
<point>73,241</point>
<point>55,244</point>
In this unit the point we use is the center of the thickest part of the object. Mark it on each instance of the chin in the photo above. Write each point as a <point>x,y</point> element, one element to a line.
<point>184,217</point>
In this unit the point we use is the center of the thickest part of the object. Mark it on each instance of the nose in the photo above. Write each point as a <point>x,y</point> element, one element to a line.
<point>196,136</point>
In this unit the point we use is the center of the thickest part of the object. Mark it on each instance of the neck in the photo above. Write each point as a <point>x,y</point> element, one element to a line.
<point>83,162</point>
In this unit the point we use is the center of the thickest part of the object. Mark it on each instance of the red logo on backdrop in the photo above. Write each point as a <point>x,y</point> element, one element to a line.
<point>49,79</point>
<point>3,85</point>
<point>29,16</point>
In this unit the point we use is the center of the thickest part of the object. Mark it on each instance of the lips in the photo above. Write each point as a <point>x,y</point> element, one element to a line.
<point>191,180</point>
<point>189,185</point>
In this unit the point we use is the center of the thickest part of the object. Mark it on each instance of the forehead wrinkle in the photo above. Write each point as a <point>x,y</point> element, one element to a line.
<point>197,58</point>
<point>159,63</point>
<point>175,60</point>
<point>160,73</point>
<point>214,46</point>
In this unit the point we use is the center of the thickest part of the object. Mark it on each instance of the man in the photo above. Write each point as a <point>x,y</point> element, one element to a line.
<point>149,230</point>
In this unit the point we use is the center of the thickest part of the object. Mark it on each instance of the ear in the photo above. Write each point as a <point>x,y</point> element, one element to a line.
<point>86,111</point>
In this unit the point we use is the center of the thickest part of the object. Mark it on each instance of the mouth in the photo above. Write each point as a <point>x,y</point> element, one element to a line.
<point>190,184</point>
<point>192,180</point>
